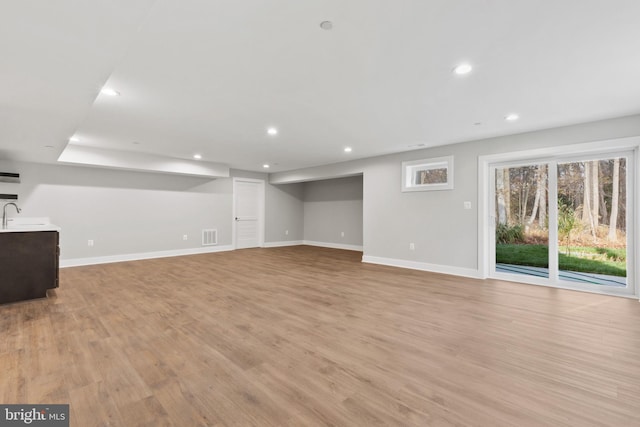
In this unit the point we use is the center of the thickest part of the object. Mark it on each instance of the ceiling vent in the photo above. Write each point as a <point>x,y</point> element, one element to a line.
<point>9,177</point>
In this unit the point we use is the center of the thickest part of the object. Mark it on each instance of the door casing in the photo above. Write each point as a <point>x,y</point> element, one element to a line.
<point>552,155</point>
<point>261,209</point>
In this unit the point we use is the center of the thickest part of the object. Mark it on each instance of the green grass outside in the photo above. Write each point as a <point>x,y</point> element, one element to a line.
<point>613,261</point>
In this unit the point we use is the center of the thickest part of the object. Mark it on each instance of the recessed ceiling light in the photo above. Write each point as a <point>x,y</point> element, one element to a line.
<point>347,149</point>
<point>463,69</point>
<point>109,92</point>
<point>512,117</point>
<point>74,139</point>
<point>326,25</point>
<point>197,156</point>
<point>272,131</point>
<point>266,166</point>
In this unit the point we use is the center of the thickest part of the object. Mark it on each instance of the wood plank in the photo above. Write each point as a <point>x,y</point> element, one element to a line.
<point>311,336</point>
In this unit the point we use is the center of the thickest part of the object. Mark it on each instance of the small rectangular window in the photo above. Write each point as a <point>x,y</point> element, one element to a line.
<point>428,174</point>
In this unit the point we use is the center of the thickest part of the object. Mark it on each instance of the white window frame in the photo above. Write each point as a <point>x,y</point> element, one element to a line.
<point>553,155</point>
<point>410,168</point>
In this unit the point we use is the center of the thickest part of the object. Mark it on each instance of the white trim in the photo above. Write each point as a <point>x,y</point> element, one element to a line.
<point>333,245</point>
<point>76,262</point>
<point>552,219</point>
<point>542,154</point>
<point>565,285</point>
<point>489,204</point>
<point>283,244</point>
<point>261,211</point>
<point>409,167</point>
<point>423,266</point>
<point>633,221</point>
<point>554,154</point>
<point>484,184</point>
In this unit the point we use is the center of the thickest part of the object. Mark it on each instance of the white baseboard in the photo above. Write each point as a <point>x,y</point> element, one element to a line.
<point>76,262</point>
<point>282,244</point>
<point>333,245</point>
<point>423,266</point>
<point>414,265</point>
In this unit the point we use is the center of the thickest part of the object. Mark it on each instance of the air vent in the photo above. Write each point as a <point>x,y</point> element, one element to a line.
<point>209,237</point>
<point>9,177</point>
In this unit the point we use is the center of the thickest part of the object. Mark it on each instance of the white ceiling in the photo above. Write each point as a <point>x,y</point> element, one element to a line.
<point>209,77</point>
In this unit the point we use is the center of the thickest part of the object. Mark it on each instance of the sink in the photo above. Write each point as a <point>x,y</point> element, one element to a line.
<point>26,226</point>
<point>29,224</point>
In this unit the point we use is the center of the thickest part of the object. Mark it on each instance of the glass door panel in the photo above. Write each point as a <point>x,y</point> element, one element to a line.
<point>521,212</point>
<point>591,218</point>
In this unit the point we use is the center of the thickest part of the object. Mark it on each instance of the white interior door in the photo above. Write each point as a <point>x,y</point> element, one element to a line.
<point>248,212</point>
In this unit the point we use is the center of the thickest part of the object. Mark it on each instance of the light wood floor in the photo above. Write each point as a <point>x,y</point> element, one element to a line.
<point>307,336</point>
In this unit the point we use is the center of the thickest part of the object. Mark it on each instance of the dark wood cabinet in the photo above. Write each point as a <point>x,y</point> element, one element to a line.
<point>29,264</point>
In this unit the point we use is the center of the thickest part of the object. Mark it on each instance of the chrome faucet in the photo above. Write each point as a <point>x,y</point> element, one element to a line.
<point>4,213</point>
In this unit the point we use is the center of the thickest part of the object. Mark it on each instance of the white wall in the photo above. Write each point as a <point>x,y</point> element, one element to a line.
<point>284,212</point>
<point>333,207</point>
<point>443,232</point>
<point>124,212</point>
<point>131,212</point>
<point>315,212</point>
<point>128,214</point>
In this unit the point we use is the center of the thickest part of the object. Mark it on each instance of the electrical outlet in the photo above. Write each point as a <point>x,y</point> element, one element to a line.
<point>286,232</point>
<point>412,246</point>
<point>90,243</point>
<point>185,237</point>
<point>342,234</point>
<point>467,205</point>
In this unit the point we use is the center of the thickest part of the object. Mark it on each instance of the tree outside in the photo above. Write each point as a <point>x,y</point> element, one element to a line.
<point>591,216</point>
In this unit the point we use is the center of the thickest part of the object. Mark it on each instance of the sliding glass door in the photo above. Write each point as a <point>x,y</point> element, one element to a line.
<point>520,219</point>
<point>563,222</point>
<point>592,218</point>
